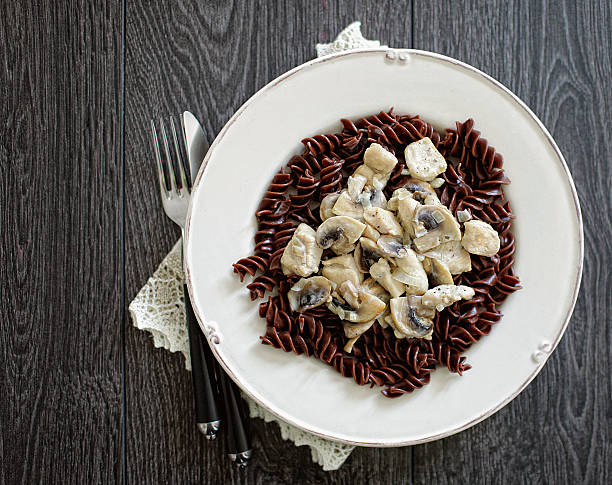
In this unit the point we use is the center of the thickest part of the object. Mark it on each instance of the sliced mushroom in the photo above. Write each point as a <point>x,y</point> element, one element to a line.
<point>390,323</point>
<point>365,171</point>
<point>392,247</point>
<point>382,320</point>
<point>480,238</point>
<point>339,233</point>
<point>434,225</point>
<point>328,202</point>
<point>410,272</point>
<point>355,305</point>
<point>445,295</point>
<point>346,206</point>
<point>381,272</point>
<point>379,180</point>
<point>371,233</point>
<point>411,318</point>
<point>420,190</point>
<point>379,159</point>
<point>344,299</point>
<point>423,160</point>
<point>371,286</point>
<point>366,254</point>
<point>302,254</point>
<point>355,185</point>
<point>372,197</point>
<point>406,208</point>
<point>342,268</point>
<point>309,293</point>
<point>383,221</point>
<point>387,321</point>
<point>374,179</point>
<point>348,346</point>
<point>398,194</point>
<point>439,273</point>
<point>452,255</point>
<point>352,330</point>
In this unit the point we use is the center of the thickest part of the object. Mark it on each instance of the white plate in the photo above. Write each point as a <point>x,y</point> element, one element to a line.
<point>262,136</point>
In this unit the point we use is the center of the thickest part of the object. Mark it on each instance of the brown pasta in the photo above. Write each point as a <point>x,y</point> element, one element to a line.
<point>474,182</point>
<point>331,177</point>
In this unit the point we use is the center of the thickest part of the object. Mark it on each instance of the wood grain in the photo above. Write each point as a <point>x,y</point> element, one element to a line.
<point>555,56</point>
<point>61,184</point>
<point>60,276</point>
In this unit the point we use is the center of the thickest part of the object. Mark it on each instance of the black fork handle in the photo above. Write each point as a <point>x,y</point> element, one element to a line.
<point>208,418</point>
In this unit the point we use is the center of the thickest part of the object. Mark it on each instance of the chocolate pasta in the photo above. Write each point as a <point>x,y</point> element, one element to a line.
<point>473,182</point>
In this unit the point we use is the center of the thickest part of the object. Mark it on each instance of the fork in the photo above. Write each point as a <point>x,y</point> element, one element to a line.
<point>175,201</point>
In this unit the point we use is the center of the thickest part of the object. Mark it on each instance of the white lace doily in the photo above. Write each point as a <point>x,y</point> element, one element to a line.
<point>159,307</point>
<point>350,38</point>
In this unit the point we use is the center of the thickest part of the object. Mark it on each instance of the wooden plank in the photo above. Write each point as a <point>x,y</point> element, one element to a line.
<point>60,277</point>
<point>210,57</point>
<point>556,57</point>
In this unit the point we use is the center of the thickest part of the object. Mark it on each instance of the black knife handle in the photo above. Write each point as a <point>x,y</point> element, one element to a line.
<point>238,441</point>
<point>207,413</point>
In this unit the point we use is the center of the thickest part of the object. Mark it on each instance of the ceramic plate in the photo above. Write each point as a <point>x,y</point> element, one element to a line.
<point>264,134</point>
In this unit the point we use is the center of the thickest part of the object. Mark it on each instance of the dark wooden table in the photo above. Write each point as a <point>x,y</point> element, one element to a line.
<point>84,397</point>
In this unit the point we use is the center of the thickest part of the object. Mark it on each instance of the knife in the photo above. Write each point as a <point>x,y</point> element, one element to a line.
<point>205,388</point>
<point>238,441</point>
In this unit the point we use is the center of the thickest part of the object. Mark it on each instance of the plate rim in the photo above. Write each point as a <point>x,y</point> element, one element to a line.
<point>206,329</point>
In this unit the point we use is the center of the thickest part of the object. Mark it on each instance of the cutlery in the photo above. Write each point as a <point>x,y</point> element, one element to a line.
<point>175,201</point>
<point>238,443</point>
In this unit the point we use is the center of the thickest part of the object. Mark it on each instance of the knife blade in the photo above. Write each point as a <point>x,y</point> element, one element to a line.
<point>195,142</point>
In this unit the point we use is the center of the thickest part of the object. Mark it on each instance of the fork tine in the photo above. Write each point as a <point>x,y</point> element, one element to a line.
<point>181,163</point>
<point>163,187</point>
<point>173,187</point>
